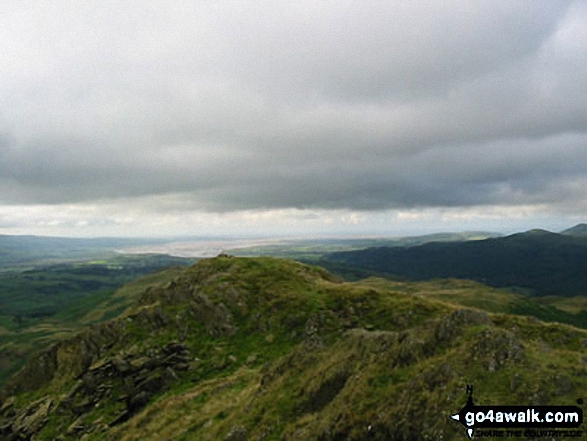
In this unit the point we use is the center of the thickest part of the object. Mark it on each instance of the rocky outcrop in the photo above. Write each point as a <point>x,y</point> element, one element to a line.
<point>255,349</point>
<point>68,358</point>
<point>24,424</point>
<point>131,379</point>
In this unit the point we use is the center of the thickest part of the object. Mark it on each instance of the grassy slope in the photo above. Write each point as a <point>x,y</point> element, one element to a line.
<point>44,290</point>
<point>545,263</point>
<point>283,351</point>
<point>569,310</point>
<point>43,305</point>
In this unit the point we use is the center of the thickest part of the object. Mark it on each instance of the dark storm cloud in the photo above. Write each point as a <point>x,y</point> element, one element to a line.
<point>252,105</point>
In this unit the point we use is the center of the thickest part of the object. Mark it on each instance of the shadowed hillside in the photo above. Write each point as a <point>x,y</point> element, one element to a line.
<point>577,230</point>
<point>19,251</point>
<point>544,263</point>
<point>44,304</point>
<point>268,349</point>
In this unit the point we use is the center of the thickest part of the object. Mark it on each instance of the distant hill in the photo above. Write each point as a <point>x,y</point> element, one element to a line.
<point>311,250</point>
<point>44,304</point>
<point>241,349</point>
<point>410,241</point>
<point>577,230</point>
<point>545,263</point>
<point>18,250</point>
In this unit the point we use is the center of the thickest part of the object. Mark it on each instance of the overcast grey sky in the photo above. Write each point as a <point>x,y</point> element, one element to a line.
<point>306,117</point>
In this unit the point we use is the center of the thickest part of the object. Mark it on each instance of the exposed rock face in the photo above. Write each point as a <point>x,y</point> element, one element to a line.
<point>255,349</point>
<point>25,423</point>
<point>137,377</point>
<point>68,358</point>
<point>216,318</point>
<point>497,348</point>
<point>131,379</point>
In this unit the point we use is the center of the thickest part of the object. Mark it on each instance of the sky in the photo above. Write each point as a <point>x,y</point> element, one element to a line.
<point>265,118</point>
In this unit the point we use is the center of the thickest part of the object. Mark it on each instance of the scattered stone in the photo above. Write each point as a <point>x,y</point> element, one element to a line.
<point>7,407</point>
<point>237,433</point>
<point>76,427</point>
<point>32,419</point>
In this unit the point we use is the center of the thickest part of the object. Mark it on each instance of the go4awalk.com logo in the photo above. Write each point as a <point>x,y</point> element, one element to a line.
<point>520,421</point>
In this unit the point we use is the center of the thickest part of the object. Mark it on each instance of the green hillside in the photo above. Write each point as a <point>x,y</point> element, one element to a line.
<point>569,310</point>
<point>21,251</point>
<point>540,262</point>
<point>44,304</point>
<point>268,349</point>
<point>312,250</point>
<point>577,230</point>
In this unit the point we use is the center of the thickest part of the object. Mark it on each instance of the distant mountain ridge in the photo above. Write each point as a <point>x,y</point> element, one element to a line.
<point>241,349</point>
<point>577,230</point>
<point>544,262</point>
<point>16,250</point>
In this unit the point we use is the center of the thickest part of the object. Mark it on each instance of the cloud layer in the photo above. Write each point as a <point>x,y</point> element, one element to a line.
<point>222,106</point>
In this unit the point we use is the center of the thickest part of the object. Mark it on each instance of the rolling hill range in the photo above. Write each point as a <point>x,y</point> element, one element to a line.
<point>577,230</point>
<point>46,303</point>
<point>19,251</point>
<point>268,349</point>
<point>539,262</point>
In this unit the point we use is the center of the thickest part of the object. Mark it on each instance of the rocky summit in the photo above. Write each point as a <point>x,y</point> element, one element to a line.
<point>239,349</point>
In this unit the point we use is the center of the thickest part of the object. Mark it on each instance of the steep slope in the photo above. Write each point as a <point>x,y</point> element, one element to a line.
<point>577,230</point>
<point>568,310</point>
<point>543,262</point>
<point>266,349</point>
<point>47,304</point>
